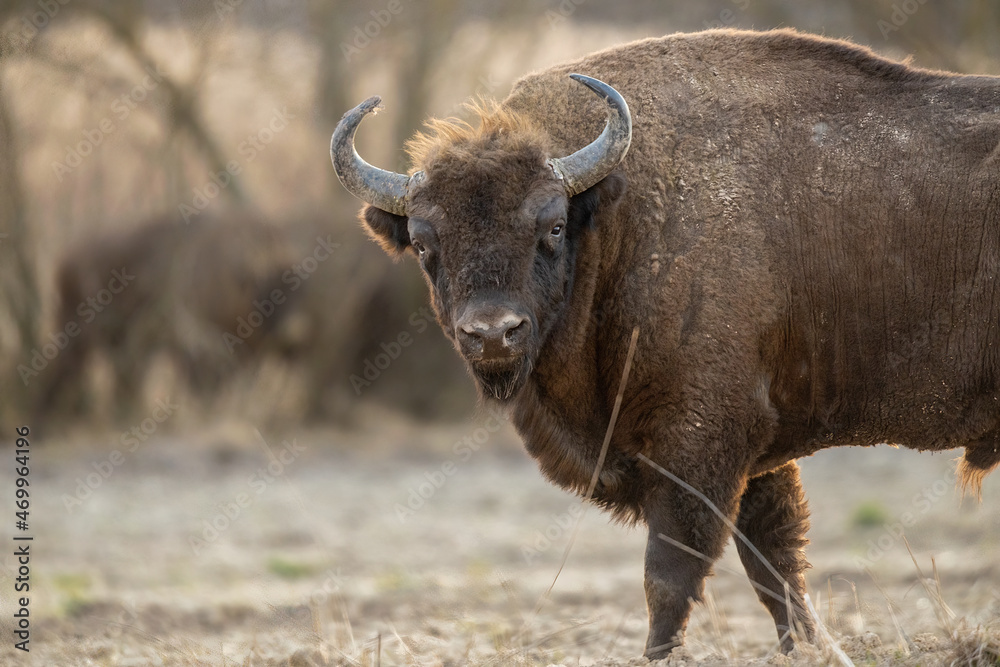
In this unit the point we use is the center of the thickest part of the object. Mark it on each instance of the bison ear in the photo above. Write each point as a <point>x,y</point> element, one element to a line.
<point>386,229</point>
<point>602,197</point>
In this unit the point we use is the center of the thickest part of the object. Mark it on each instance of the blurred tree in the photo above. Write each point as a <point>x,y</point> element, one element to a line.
<point>329,24</point>
<point>124,20</point>
<point>428,39</point>
<point>18,277</point>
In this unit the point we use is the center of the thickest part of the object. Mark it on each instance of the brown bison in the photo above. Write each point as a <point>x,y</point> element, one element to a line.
<point>203,294</point>
<point>806,235</point>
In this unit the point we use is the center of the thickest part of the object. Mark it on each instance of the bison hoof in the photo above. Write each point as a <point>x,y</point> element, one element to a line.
<point>674,649</point>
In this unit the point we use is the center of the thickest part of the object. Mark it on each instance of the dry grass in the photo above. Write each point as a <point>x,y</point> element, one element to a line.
<point>448,587</point>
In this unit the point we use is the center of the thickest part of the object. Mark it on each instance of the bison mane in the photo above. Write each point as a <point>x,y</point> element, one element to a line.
<point>498,127</point>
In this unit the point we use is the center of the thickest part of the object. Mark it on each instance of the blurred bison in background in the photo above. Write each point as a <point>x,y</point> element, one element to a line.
<point>228,294</point>
<point>807,236</point>
<point>209,295</point>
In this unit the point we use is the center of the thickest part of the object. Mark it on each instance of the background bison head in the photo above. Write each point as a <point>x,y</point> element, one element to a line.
<point>495,223</point>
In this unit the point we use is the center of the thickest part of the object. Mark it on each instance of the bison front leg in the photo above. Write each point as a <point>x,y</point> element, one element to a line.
<point>774,517</point>
<point>685,537</point>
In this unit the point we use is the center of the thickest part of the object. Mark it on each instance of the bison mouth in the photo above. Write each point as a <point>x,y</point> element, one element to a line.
<point>501,379</point>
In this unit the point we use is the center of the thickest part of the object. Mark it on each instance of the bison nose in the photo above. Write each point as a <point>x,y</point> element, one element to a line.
<point>495,335</point>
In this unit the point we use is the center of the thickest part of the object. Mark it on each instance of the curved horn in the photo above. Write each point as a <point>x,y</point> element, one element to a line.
<point>584,168</point>
<point>382,189</point>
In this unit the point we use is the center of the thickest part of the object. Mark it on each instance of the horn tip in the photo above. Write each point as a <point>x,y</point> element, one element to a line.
<point>588,81</point>
<point>372,105</point>
<point>595,85</point>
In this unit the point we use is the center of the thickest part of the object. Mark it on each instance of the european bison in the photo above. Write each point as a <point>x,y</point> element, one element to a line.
<point>189,291</point>
<point>808,242</point>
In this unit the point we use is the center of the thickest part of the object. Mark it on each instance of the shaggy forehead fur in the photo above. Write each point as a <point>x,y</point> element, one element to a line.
<point>499,132</point>
<point>484,173</point>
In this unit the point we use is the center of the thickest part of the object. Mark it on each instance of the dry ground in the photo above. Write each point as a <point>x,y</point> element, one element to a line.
<point>316,567</point>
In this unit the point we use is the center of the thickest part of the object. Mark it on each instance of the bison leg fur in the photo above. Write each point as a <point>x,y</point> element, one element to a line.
<point>685,537</point>
<point>774,517</point>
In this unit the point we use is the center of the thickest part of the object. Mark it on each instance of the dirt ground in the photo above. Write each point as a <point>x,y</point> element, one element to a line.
<point>417,544</point>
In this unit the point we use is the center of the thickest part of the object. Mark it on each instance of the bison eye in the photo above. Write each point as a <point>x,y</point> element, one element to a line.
<point>557,230</point>
<point>419,247</point>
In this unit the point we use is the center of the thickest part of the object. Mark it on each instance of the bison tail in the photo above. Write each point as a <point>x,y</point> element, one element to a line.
<point>979,460</point>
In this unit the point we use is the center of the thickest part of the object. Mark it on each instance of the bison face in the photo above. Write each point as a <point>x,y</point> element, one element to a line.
<point>497,238</point>
<point>498,268</point>
<point>495,223</point>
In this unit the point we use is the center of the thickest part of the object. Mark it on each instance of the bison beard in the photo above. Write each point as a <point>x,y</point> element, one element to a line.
<point>501,380</point>
<point>809,244</point>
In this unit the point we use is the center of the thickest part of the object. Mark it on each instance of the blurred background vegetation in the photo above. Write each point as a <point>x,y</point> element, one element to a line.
<point>186,142</point>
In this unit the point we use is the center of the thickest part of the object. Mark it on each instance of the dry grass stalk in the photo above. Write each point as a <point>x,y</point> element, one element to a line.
<point>905,643</point>
<point>597,471</point>
<point>720,627</point>
<point>943,612</point>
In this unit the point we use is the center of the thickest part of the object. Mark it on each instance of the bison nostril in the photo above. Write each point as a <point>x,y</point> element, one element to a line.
<point>516,333</point>
<point>471,339</point>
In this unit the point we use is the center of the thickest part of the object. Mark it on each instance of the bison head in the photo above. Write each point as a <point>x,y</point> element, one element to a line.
<point>495,222</point>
